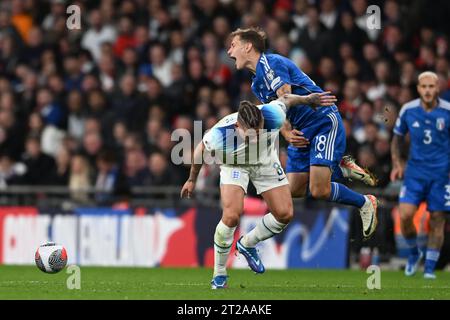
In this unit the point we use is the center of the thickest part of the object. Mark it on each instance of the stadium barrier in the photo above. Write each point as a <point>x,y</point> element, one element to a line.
<point>176,236</point>
<point>34,214</point>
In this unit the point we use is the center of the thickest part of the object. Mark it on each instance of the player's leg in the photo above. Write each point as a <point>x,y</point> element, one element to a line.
<point>438,202</point>
<point>270,181</point>
<point>435,241</point>
<point>321,187</point>
<point>411,195</point>
<point>297,169</point>
<point>234,183</point>
<point>279,201</point>
<point>409,232</point>
<point>298,183</point>
<point>326,152</point>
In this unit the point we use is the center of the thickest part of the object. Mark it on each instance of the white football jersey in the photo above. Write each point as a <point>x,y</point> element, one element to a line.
<point>226,145</point>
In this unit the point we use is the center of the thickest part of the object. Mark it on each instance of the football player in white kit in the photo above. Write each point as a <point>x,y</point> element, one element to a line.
<point>244,145</point>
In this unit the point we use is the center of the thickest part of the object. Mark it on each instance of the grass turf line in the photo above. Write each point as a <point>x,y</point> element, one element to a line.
<point>28,282</point>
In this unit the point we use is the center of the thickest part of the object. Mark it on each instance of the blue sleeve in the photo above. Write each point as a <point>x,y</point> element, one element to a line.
<point>276,74</point>
<point>401,127</point>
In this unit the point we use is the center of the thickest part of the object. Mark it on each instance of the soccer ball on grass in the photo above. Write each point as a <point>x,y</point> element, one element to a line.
<point>51,257</point>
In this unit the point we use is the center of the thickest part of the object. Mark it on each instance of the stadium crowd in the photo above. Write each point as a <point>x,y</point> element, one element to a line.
<point>96,107</point>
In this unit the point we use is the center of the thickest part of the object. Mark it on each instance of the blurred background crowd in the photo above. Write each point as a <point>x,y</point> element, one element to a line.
<point>96,107</point>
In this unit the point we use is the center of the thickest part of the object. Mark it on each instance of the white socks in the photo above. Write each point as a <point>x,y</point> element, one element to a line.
<point>223,240</point>
<point>266,228</point>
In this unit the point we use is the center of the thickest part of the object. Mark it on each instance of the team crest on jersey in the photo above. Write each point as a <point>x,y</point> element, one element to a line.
<point>270,75</point>
<point>440,124</point>
<point>235,174</point>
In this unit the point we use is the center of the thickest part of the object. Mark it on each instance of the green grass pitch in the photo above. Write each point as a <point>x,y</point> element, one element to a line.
<point>27,282</point>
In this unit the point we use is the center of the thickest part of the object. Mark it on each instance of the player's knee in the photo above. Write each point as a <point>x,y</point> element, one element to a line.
<point>284,214</point>
<point>437,220</point>
<point>297,192</point>
<point>231,212</point>
<point>230,218</point>
<point>406,216</point>
<point>320,192</point>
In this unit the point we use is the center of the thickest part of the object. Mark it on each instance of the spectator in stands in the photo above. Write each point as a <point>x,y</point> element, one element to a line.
<point>80,178</point>
<point>135,168</point>
<point>62,172</point>
<point>10,172</point>
<point>110,183</point>
<point>97,34</point>
<point>76,115</point>
<point>144,64</point>
<point>92,144</point>
<point>160,172</point>
<point>39,166</point>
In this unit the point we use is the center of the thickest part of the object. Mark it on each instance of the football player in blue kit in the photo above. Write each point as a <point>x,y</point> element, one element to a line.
<point>426,173</point>
<point>312,167</point>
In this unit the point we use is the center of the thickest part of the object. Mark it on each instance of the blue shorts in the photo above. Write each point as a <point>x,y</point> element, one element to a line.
<point>436,193</point>
<point>326,148</point>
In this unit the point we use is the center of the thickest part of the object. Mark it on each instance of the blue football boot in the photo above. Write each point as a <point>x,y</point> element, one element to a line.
<point>219,282</point>
<point>252,257</point>
<point>413,264</point>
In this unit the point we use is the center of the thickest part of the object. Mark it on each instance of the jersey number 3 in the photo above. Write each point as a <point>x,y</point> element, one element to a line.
<point>427,139</point>
<point>447,195</point>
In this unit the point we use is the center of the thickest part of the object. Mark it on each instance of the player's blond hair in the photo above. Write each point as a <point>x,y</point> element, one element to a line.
<point>427,74</point>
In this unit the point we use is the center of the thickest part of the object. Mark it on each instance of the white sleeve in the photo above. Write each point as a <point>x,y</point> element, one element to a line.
<point>211,140</point>
<point>280,104</point>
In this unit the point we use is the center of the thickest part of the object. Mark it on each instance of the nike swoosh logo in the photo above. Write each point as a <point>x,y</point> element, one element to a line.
<point>359,174</point>
<point>370,225</point>
<point>281,179</point>
<point>257,262</point>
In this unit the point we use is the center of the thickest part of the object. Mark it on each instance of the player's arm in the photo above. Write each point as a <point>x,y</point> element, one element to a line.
<point>398,163</point>
<point>284,89</point>
<point>314,99</point>
<point>398,145</point>
<point>294,136</point>
<point>196,165</point>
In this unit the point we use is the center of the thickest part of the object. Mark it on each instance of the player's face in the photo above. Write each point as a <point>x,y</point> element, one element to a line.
<point>237,52</point>
<point>428,89</point>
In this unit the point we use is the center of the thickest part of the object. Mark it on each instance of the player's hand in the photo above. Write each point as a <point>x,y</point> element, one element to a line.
<point>397,172</point>
<point>323,99</point>
<point>296,138</point>
<point>188,189</point>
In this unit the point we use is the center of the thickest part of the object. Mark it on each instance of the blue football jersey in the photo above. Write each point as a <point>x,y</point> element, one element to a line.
<point>272,72</point>
<point>429,154</point>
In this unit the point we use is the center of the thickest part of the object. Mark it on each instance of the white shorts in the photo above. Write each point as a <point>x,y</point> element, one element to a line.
<point>264,177</point>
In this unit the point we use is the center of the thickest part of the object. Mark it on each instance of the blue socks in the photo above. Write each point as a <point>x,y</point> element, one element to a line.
<point>412,244</point>
<point>342,194</point>
<point>431,256</point>
<point>431,259</point>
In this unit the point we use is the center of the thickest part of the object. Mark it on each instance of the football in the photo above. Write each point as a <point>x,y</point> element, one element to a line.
<point>51,257</point>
